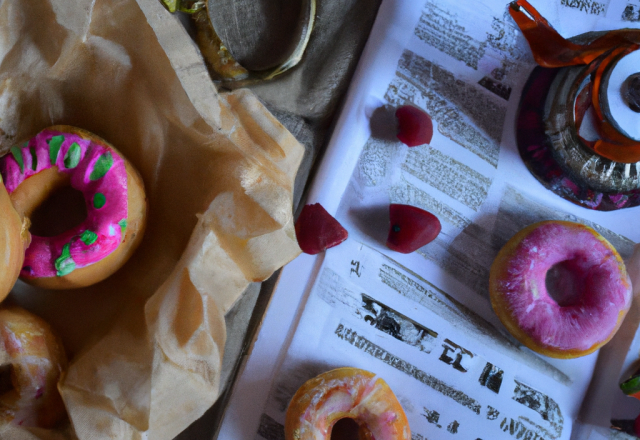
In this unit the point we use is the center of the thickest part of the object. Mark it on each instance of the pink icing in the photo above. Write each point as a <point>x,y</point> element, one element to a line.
<point>59,255</point>
<point>584,320</point>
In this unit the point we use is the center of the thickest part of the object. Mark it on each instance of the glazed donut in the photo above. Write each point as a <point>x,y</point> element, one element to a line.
<point>13,242</point>
<point>114,197</point>
<point>345,393</point>
<point>31,362</point>
<point>593,288</point>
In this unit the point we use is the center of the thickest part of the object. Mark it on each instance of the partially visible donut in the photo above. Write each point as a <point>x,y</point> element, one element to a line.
<point>31,361</point>
<point>349,393</point>
<point>597,289</point>
<point>114,197</point>
<point>13,242</point>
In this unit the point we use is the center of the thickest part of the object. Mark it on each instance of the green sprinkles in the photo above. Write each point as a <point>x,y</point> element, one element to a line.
<point>123,224</point>
<point>54,148</point>
<point>64,263</point>
<point>99,200</point>
<point>34,158</point>
<point>89,237</point>
<point>103,164</point>
<point>72,158</point>
<point>17,155</point>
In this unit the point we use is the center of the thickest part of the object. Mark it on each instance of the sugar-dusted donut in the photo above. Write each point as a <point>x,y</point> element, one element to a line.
<point>31,362</point>
<point>114,197</point>
<point>13,242</point>
<point>345,393</point>
<point>592,285</point>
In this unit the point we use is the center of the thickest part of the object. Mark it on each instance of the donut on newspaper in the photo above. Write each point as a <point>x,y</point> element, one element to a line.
<point>114,197</point>
<point>31,362</point>
<point>594,288</point>
<point>346,393</point>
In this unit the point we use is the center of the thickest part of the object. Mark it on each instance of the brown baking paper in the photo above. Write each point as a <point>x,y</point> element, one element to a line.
<point>146,344</point>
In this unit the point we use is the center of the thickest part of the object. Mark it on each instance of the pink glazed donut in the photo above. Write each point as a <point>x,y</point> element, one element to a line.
<point>114,197</point>
<point>594,289</point>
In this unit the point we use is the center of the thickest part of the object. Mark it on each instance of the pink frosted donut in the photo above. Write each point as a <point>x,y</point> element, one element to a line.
<point>345,393</point>
<point>114,198</point>
<point>594,288</point>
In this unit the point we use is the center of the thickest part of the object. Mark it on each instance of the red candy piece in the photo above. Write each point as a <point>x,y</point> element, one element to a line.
<point>411,228</point>
<point>636,426</point>
<point>414,126</point>
<point>317,230</point>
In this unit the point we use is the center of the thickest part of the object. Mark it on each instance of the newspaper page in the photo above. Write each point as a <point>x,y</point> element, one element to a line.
<point>453,373</point>
<point>423,321</point>
<point>466,65</point>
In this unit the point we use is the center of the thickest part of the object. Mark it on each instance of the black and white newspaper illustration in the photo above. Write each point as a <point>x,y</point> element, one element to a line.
<point>453,372</point>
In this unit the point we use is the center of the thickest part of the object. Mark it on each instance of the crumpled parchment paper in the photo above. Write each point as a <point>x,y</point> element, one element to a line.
<point>146,344</point>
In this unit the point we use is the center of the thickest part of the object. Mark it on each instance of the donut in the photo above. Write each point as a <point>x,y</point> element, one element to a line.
<point>13,242</point>
<point>114,197</point>
<point>589,280</point>
<point>31,362</point>
<point>345,393</point>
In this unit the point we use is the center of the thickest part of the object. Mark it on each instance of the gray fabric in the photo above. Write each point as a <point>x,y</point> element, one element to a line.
<point>313,89</point>
<point>259,34</point>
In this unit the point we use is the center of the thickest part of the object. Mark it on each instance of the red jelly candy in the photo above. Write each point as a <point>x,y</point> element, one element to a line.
<point>411,228</point>
<point>317,230</point>
<point>636,426</point>
<point>414,126</point>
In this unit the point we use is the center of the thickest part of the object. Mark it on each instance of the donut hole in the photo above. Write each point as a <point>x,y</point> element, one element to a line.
<point>345,429</point>
<point>565,283</point>
<point>62,210</point>
<point>6,384</point>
